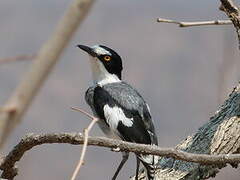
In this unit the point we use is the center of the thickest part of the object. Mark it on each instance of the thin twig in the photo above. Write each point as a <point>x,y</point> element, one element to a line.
<point>84,112</point>
<point>197,23</point>
<point>17,58</point>
<point>86,133</point>
<point>32,140</point>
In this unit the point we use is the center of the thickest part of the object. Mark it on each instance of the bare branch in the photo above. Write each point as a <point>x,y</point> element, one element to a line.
<point>32,140</point>
<point>232,11</point>
<point>17,58</point>
<point>84,112</point>
<point>195,23</point>
<point>42,66</point>
<point>220,135</point>
<point>86,133</point>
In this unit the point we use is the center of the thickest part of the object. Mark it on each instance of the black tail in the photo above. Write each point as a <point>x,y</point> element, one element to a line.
<point>150,164</point>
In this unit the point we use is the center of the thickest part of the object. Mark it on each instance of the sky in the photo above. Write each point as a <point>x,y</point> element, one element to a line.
<point>181,72</point>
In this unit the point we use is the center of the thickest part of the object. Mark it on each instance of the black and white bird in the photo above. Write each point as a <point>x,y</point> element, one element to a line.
<point>122,111</point>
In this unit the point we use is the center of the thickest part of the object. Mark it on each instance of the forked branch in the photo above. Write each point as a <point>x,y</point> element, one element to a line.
<point>7,163</point>
<point>86,134</point>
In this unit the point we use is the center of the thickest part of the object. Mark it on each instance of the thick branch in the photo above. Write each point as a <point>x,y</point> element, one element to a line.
<point>195,23</point>
<point>233,13</point>
<point>41,67</point>
<point>30,141</point>
<point>220,135</point>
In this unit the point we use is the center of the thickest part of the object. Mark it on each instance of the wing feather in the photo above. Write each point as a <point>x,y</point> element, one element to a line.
<point>124,110</point>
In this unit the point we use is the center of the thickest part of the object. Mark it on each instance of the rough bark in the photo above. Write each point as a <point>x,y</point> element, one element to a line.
<point>220,135</point>
<point>8,163</point>
<point>233,12</point>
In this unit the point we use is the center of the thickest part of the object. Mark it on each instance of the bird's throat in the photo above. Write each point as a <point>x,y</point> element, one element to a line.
<point>99,73</point>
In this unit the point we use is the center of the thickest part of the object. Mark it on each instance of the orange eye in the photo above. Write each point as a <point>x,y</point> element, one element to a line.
<point>107,58</point>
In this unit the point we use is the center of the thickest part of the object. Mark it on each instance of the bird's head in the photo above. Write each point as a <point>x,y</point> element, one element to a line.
<point>106,63</point>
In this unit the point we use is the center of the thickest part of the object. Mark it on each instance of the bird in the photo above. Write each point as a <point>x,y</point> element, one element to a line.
<point>122,112</point>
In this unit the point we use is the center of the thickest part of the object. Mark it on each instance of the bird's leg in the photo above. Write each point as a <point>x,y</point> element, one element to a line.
<point>125,156</point>
<point>137,170</point>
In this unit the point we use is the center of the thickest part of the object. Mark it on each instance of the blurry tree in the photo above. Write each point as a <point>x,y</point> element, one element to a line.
<point>11,113</point>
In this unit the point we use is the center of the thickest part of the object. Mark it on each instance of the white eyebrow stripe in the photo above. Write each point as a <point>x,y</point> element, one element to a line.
<point>101,51</point>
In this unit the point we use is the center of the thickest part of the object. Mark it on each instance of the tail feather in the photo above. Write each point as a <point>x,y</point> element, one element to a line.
<point>150,163</point>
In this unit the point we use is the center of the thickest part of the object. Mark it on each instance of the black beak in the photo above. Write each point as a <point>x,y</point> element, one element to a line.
<point>88,50</point>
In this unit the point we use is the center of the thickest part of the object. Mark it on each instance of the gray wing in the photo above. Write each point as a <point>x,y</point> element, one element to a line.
<point>123,109</point>
<point>126,98</point>
<point>89,96</point>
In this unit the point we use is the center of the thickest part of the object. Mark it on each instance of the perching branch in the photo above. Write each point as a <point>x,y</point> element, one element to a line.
<point>7,164</point>
<point>195,23</point>
<point>232,11</point>
<point>84,148</point>
<point>220,135</point>
<point>17,58</point>
<point>41,67</point>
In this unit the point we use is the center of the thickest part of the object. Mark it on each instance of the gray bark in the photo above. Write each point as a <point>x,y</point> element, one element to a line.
<point>220,135</point>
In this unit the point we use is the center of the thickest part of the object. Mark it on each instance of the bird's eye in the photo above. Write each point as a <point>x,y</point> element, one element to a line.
<point>107,58</point>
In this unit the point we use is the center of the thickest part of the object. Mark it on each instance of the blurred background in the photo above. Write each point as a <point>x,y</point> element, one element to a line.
<point>183,73</point>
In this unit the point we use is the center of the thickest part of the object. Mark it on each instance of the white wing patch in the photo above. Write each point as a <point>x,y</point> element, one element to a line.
<point>114,115</point>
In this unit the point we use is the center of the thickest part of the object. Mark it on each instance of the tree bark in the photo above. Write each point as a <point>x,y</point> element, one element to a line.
<point>220,135</point>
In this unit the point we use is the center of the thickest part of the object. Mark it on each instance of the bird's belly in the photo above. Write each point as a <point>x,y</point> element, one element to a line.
<point>107,131</point>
